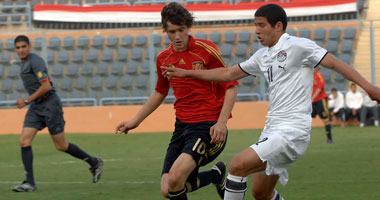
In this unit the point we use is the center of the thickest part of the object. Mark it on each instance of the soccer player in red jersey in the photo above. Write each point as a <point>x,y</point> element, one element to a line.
<point>202,109</point>
<point>319,103</point>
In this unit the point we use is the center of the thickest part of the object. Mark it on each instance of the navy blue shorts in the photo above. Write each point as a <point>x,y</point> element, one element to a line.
<point>193,139</point>
<point>320,108</point>
<point>46,113</point>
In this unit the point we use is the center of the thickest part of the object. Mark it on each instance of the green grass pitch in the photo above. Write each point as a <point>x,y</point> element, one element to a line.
<point>347,169</point>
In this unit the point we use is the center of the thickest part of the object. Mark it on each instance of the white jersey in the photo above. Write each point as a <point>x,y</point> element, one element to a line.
<point>288,68</point>
<point>337,103</point>
<point>354,100</point>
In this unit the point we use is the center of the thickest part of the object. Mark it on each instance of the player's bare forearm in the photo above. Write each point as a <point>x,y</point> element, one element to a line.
<point>229,102</point>
<point>43,89</point>
<point>219,130</point>
<point>351,74</point>
<point>217,74</point>
<point>152,104</point>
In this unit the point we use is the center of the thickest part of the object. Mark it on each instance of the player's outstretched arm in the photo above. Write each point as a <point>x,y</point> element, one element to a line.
<point>152,104</point>
<point>219,130</point>
<point>332,62</point>
<point>226,74</point>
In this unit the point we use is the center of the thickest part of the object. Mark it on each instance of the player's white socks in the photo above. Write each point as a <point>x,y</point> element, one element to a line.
<point>236,186</point>
<point>277,196</point>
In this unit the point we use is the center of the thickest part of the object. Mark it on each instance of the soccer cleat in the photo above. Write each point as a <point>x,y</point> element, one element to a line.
<point>329,141</point>
<point>220,167</point>
<point>24,187</point>
<point>97,170</point>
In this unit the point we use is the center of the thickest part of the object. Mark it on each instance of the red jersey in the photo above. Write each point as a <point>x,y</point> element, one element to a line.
<point>196,100</point>
<point>319,82</point>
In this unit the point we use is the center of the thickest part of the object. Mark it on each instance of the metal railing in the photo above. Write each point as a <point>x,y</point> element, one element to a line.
<point>12,14</point>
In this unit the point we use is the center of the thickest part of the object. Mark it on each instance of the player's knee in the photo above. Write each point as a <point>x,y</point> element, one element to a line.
<point>164,192</point>
<point>174,182</point>
<point>261,194</point>
<point>24,142</point>
<point>61,147</point>
<point>236,166</point>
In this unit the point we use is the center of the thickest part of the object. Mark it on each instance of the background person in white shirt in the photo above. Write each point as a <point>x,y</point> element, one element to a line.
<point>336,105</point>
<point>369,108</point>
<point>354,100</point>
<point>287,63</point>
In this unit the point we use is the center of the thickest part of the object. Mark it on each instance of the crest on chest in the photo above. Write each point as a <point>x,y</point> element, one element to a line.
<point>198,65</point>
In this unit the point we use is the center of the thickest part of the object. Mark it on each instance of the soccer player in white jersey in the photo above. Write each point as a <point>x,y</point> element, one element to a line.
<point>287,63</point>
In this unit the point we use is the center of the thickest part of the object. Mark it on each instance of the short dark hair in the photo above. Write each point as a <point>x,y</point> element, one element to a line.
<point>274,13</point>
<point>334,90</point>
<point>21,38</point>
<point>176,14</point>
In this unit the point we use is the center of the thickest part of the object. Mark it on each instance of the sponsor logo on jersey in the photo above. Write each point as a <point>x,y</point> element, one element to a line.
<point>182,62</point>
<point>39,74</point>
<point>198,65</point>
<point>281,56</point>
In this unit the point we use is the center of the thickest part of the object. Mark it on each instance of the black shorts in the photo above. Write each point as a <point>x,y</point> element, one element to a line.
<point>47,113</point>
<point>320,108</point>
<point>194,139</point>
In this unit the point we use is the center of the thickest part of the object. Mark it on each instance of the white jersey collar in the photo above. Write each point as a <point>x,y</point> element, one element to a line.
<point>279,43</point>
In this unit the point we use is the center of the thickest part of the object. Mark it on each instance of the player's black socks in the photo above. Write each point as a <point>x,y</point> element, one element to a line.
<point>178,195</point>
<point>328,131</point>
<point>204,178</point>
<point>75,151</point>
<point>27,159</point>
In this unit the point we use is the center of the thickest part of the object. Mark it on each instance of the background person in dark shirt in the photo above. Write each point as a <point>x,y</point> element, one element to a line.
<point>45,110</point>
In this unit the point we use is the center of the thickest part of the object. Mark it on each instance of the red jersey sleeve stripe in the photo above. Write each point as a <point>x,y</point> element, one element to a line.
<point>211,50</point>
<point>43,80</point>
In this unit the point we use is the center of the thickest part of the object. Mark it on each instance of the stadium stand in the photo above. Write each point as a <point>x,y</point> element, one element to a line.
<point>244,36</point>
<point>83,42</point>
<point>67,58</point>
<point>102,69</point>
<point>126,41</point>
<point>1,71</point>
<point>215,37</point>
<point>63,56</point>
<point>291,31</point>
<point>107,55</point>
<point>122,54</point>
<point>72,70</point>
<point>57,70</point>
<point>201,35</point>
<point>98,41</point>
<point>229,36</point>
<point>13,71</point>
<point>145,67</point>
<point>81,83</point>
<point>132,67</point>
<point>305,33</point>
<point>112,41</point>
